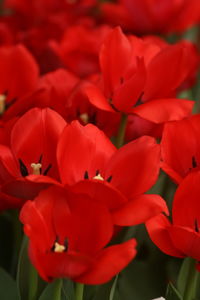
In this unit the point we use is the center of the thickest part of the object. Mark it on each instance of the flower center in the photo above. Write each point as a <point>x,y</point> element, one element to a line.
<point>2,104</point>
<point>59,248</point>
<point>84,118</point>
<point>98,177</point>
<point>36,168</point>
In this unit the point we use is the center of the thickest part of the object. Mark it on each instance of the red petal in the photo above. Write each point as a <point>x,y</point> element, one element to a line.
<point>166,72</point>
<point>173,175</point>
<point>115,58</point>
<point>186,240</point>
<point>27,188</point>
<point>82,149</point>
<point>101,192</point>
<point>97,98</point>
<point>126,95</point>
<point>35,226</point>
<point>53,265</point>
<point>73,215</point>
<point>139,210</point>
<point>178,147</point>
<point>109,263</point>
<point>8,165</point>
<point>158,229</point>
<point>184,214</point>
<point>164,110</point>
<point>36,133</point>
<point>134,167</point>
<point>19,71</point>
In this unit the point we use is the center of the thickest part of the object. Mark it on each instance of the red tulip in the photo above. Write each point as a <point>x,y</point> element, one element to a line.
<point>180,238</point>
<point>88,160</point>
<point>180,148</point>
<point>79,48</point>
<point>150,17</point>
<point>32,151</point>
<point>19,75</point>
<point>69,234</point>
<point>139,78</point>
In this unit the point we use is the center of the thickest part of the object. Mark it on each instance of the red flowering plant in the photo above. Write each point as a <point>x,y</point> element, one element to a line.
<point>155,16</point>
<point>31,151</point>
<point>140,79</point>
<point>68,236</point>
<point>129,171</point>
<point>181,236</point>
<point>180,148</point>
<point>90,117</point>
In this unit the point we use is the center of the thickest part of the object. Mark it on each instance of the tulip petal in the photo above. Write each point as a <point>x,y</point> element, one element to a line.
<point>109,263</point>
<point>35,136</point>
<point>139,210</point>
<point>164,110</point>
<point>82,151</point>
<point>134,167</point>
<point>158,230</point>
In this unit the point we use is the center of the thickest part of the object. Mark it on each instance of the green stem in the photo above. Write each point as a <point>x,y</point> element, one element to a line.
<point>56,295</point>
<point>17,238</point>
<point>191,283</point>
<point>79,291</point>
<point>121,131</point>
<point>33,283</point>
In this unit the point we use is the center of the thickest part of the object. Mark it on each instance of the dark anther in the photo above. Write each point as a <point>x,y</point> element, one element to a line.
<point>8,104</point>
<point>109,178</point>
<point>196,227</point>
<point>47,169</point>
<point>66,244</point>
<point>23,168</point>
<point>121,80</point>
<point>53,247</point>
<point>40,159</point>
<point>194,163</point>
<point>93,118</point>
<point>97,172</point>
<point>86,176</point>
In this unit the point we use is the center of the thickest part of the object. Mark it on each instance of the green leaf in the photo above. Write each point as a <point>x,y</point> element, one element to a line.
<point>183,274</point>
<point>27,278</point>
<point>68,290</point>
<point>113,289</point>
<point>8,287</point>
<point>52,291</point>
<point>173,293</point>
<point>102,291</point>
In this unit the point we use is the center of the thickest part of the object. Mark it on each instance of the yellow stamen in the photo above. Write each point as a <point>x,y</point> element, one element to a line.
<point>2,103</point>
<point>98,177</point>
<point>85,118</point>
<point>59,248</point>
<point>36,168</point>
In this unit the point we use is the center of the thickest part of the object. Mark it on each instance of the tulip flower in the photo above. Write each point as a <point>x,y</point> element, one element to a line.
<point>151,17</point>
<point>180,148</point>
<point>69,234</point>
<point>32,152</point>
<point>180,238</point>
<point>90,162</point>
<point>140,79</point>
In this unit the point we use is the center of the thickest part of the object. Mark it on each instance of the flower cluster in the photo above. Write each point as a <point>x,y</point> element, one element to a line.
<point>90,113</point>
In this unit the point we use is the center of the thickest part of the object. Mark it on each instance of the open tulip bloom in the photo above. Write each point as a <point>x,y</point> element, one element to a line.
<point>99,150</point>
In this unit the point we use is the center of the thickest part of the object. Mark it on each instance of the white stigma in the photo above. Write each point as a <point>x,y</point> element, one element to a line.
<point>36,168</point>
<point>59,248</point>
<point>98,177</point>
<point>2,103</point>
<point>85,118</point>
